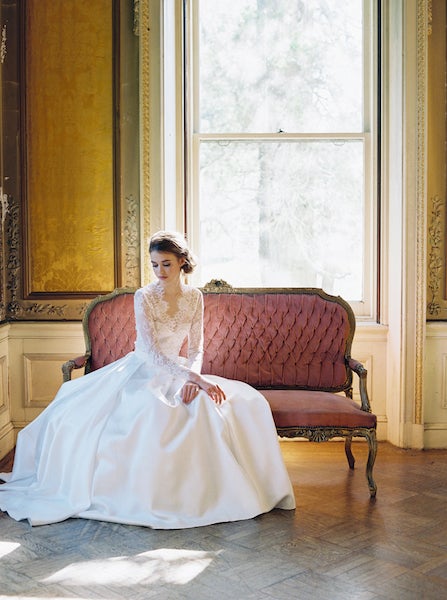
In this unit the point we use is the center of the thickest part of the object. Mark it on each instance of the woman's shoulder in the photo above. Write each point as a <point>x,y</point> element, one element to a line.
<point>191,291</point>
<point>146,290</point>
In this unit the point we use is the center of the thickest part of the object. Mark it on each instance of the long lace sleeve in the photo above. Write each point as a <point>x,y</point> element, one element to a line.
<point>147,339</point>
<point>195,339</point>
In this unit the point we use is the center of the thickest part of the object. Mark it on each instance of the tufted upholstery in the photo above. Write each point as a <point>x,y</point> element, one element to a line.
<point>294,345</point>
<point>284,340</point>
<point>111,328</point>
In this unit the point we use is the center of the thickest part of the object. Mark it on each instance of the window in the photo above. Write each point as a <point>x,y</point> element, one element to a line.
<point>280,144</point>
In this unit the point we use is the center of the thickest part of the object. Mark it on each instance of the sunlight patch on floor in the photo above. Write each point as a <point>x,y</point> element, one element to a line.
<point>7,548</point>
<point>165,565</point>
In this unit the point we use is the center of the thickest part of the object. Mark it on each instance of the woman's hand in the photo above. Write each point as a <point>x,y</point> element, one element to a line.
<point>216,393</point>
<point>191,388</point>
<point>189,391</point>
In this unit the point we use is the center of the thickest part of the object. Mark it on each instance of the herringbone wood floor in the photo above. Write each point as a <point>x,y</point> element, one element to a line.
<point>336,545</point>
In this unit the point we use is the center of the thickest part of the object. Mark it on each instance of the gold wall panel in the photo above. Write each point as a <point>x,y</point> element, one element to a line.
<point>69,99</point>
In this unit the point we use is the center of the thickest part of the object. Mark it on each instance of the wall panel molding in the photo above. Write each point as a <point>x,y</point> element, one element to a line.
<point>4,396</point>
<point>443,396</point>
<point>42,373</point>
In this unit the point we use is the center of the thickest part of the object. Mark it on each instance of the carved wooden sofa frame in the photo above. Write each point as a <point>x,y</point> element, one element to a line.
<point>294,345</point>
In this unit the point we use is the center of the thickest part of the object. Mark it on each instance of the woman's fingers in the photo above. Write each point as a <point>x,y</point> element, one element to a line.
<point>214,391</point>
<point>216,394</point>
<point>189,392</point>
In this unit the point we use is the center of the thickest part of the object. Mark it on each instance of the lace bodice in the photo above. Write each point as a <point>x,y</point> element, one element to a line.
<point>161,335</point>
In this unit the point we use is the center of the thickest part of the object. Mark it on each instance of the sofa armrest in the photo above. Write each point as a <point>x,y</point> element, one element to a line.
<point>75,363</point>
<point>358,368</point>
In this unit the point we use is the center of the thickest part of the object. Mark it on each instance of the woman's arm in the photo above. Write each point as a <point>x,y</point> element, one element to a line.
<point>195,357</point>
<point>195,338</point>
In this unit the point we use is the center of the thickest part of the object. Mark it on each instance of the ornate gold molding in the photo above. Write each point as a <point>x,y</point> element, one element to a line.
<point>217,286</point>
<point>17,308</point>
<point>136,17</point>
<point>145,131</point>
<point>429,17</point>
<point>3,48</point>
<point>421,208</point>
<point>5,211</point>
<point>131,242</point>
<point>435,256</point>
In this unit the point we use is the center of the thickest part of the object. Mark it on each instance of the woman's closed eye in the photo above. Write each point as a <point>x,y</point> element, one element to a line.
<point>163,264</point>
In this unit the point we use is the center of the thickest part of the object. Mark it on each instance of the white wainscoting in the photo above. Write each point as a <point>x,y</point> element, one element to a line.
<point>370,348</point>
<point>6,427</point>
<point>31,355</point>
<point>435,386</point>
<point>35,353</point>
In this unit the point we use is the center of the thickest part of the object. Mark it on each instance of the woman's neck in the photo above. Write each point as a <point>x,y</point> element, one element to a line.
<point>171,289</point>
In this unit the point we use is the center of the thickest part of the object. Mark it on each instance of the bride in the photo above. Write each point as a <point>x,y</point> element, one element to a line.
<point>148,440</point>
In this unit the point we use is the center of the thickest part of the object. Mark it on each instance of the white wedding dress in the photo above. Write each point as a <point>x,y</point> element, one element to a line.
<point>119,445</point>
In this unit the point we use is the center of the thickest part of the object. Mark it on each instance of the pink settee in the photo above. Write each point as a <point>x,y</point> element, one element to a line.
<point>292,344</point>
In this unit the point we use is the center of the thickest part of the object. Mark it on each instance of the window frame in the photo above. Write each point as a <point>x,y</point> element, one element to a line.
<point>181,141</point>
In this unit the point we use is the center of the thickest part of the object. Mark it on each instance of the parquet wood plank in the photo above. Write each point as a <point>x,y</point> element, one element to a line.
<point>338,544</point>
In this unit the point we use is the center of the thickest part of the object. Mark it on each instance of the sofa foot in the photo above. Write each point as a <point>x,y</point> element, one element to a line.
<point>372,444</point>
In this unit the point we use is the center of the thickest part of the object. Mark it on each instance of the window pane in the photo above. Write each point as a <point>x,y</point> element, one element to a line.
<point>283,214</point>
<point>270,65</point>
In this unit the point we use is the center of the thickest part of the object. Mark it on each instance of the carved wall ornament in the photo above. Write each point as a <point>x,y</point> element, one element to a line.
<point>13,262</point>
<point>429,17</point>
<point>145,133</point>
<point>4,205</point>
<point>435,256</point>
<point>3,48</point>
<point>131,242</point>
<point>16,307</point>
<point>136,17</point>
<point>5,210</point>
<point>218,286</point>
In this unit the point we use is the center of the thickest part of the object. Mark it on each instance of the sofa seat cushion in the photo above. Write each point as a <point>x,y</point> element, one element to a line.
<point>303,408</point>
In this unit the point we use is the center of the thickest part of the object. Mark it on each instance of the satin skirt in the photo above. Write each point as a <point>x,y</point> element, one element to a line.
<point>118,445</point>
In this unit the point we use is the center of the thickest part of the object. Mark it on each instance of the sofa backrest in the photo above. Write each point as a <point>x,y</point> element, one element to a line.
<point>109,328</point>
<point>294,338</point>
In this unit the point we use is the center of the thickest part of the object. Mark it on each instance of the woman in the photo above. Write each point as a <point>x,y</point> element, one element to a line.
<point>148,440</point>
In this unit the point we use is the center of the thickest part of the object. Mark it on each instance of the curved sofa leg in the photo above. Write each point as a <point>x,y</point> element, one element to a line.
<point>372,444</point>
<point>348,452</point>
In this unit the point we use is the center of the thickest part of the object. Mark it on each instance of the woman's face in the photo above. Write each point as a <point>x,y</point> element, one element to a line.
<point>167,266</point>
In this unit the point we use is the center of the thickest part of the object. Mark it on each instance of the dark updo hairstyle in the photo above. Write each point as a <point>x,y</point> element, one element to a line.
<point>174,243</point>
